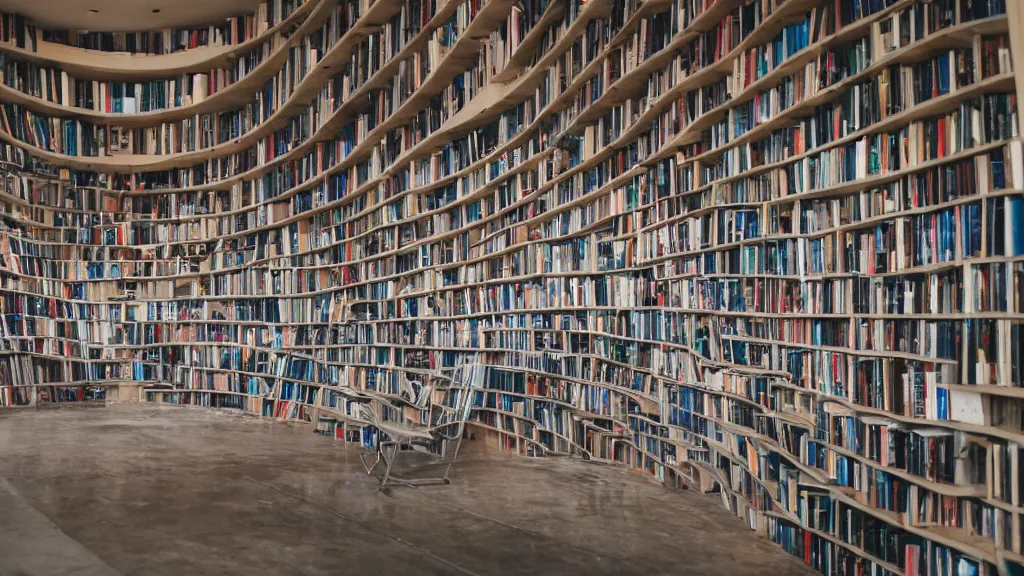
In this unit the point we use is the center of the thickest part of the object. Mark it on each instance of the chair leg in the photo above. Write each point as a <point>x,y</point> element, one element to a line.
<point>369,469</point>
<point>454,457</point>
<point>387,461</point>
<point>448,468</point>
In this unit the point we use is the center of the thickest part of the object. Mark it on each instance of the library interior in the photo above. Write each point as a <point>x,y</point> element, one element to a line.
<point>502,287</point>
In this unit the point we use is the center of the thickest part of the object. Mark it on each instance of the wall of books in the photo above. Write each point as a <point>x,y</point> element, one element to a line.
<point>768,249</point>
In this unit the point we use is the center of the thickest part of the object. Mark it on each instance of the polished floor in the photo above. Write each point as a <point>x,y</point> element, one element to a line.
<point>164,490</point>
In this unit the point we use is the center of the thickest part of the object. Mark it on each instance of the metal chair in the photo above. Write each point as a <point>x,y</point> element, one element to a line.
<point>448,405</point>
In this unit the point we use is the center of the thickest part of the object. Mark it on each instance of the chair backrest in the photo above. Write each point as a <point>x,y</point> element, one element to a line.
<point>431,410</point>
<point>463,382</point>
<point>452,412</point>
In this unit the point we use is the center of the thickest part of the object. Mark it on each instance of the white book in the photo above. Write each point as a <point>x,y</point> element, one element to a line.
<point>1016,165</point>
<point>966,407</point>
<point>199,85</point>
<point>65,89</point>
<point>933,296</point>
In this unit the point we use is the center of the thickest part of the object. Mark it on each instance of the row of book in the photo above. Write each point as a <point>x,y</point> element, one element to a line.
<point>117,97</point>
<point>232,31</point>
<point>789,281</point>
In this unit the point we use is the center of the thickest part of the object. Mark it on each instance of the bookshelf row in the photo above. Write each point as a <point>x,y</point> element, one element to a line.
<point>339,98</point>
<point>766,249</point>
<point>19,32</point>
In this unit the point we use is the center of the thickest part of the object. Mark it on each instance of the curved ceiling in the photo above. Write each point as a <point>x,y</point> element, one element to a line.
<point>125,15</point>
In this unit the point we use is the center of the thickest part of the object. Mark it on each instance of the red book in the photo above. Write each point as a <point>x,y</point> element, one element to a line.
<point>753,64</point>
<point>932,239</point>
<point>718,41</point>
<point>941,152</point>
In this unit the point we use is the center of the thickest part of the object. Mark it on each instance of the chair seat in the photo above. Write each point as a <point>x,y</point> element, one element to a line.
<point>405,432</point>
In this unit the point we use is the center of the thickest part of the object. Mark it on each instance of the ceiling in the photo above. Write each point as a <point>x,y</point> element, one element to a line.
<point>125,15</point>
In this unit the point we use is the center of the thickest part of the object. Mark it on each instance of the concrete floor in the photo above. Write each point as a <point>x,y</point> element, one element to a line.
<point>165,490</point>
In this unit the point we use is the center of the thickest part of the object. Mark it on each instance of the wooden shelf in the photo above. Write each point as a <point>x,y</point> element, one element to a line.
<point>662,338</point>
<point>96,64</point>
<point>235,94</point>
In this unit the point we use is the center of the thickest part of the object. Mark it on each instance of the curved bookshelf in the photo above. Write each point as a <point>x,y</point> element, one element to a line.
<point>294,104</point>
<point>120,64</point>
<point>766,249</point>
<point>234,93</point>
<point>239,92</point>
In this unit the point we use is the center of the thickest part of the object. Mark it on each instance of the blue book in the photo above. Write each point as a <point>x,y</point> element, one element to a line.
<point>998,174</point>
<point>943,73</point>
<point>965,227</point>
<point>1016,224</point>
<point>967,567</point>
